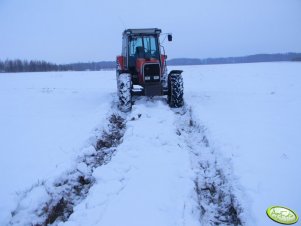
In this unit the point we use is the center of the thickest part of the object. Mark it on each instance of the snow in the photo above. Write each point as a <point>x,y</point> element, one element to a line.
<point>148,181</point>
<point>249,114</point>
<point>46,119</point>
<point>253,114</point>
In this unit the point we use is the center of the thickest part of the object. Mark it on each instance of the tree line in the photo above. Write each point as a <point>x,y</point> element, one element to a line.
<point>41,66</point>
<point>234,60</point>
<point>18,65</point>
<point>29,66</point>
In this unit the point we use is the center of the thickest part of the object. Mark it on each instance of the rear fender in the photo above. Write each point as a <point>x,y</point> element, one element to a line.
<point>176,72</point>
<point>120,63</point>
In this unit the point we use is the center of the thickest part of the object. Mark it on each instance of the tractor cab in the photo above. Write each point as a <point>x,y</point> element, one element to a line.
<point>141,56</point>
<point>142,49</point>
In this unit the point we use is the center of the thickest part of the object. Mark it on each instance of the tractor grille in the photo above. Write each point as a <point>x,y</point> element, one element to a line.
<point>153,89</point>
<point>151,73</point>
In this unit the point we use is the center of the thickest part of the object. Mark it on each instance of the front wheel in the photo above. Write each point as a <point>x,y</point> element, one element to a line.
<point>175,89</point>
<point>124,84</point>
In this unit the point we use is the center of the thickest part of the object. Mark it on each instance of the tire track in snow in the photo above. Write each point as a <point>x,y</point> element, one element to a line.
<point>52,202</point>
<point>149,181</point>
<point>164,173</point>
<point>216,190</point>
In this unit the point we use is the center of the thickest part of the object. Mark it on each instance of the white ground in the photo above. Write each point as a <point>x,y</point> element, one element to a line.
<point>251,111</point>
<point>148,182</point>
<point>46,119</point>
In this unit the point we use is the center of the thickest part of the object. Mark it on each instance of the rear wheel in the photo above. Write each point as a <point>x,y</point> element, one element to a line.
<point>124,84</point>
<point>175,90</point>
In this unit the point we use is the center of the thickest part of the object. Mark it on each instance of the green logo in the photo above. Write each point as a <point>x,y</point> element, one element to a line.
<point>282,215</point>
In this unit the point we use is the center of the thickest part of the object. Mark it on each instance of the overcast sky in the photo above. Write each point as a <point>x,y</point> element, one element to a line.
<point>64,31</point>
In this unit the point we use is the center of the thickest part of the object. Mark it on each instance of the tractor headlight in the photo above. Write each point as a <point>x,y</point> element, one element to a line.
<point>156,77</point>
<point>147,78</point>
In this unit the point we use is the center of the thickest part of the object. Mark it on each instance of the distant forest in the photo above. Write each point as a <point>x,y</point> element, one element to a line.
<point>235,60</point>
<point>40,66</point>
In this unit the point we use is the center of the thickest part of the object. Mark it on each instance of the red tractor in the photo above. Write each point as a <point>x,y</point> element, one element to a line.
<point>141,69</point>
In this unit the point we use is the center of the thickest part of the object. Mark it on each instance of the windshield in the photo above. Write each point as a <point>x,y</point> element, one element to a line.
<point>143,47</point>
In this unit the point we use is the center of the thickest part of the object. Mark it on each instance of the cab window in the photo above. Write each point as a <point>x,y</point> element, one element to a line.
<point>143,47</point>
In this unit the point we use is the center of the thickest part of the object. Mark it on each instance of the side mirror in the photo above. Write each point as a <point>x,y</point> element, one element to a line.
<point>169,37</point>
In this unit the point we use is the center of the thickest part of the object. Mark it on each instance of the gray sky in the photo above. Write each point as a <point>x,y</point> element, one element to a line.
<point>64,31</point>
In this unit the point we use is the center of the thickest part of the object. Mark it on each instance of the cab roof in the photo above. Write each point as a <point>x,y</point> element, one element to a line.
<point>141,31</point>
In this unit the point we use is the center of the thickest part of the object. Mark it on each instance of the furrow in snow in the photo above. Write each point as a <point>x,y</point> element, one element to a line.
<point>215,187</point>
<point>51,202</point>
<point>149,180</point>
<point>165,172</point>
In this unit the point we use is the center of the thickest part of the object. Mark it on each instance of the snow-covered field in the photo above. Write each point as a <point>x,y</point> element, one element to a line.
<point>46,119</point>
<point>253,114</point>
<point>242,120</point>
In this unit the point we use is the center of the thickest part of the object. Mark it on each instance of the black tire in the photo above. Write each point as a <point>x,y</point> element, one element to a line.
<point>175,90</point>
<point>124,84</point>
